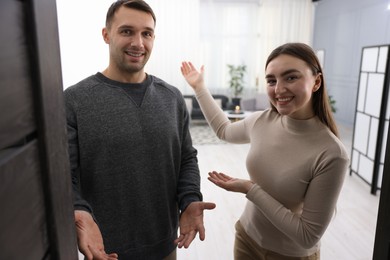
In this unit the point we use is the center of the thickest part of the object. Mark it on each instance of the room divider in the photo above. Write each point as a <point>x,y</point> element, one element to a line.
<point>371,116</point>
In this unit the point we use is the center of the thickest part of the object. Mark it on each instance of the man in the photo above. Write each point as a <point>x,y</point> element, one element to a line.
<point>133,165</point>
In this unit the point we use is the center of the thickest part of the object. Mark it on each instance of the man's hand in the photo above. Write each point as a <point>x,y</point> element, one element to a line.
<point>191,222</point>
<point>89,238</point>
<point>230,184</point>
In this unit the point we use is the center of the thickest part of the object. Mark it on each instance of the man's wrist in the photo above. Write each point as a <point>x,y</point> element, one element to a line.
<point>188,200</point>
<point>81,215</point>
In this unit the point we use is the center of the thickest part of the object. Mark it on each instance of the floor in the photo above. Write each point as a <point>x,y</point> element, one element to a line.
<point>350,235</point>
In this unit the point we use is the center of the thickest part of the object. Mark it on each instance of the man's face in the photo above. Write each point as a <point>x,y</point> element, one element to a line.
<point>130,39</point>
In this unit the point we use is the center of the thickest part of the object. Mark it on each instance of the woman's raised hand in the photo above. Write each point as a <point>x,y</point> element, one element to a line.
<point>192,75</point>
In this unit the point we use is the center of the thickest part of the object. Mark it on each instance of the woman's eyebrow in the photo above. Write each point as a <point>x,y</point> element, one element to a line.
<point>284,73</point>
<point>289,71</point>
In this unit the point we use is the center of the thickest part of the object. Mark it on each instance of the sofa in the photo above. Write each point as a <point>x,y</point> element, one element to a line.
<point>194,108</point>
<point>258,102</point>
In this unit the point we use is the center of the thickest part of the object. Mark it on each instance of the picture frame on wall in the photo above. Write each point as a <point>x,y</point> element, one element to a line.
<point>321,56</point>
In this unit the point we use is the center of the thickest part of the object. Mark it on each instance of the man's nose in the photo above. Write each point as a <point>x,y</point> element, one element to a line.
<point>136,41</point>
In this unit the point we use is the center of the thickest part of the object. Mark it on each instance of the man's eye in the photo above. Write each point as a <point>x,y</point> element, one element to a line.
<point>148,34</point>
<point>126,32</point>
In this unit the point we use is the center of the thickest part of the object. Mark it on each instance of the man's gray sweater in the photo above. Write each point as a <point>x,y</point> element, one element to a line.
<point>133,166</point>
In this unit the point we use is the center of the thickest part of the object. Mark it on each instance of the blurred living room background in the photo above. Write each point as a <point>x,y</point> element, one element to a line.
<point>216,33</point>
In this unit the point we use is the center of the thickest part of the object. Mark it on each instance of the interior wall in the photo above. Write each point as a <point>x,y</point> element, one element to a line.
<point>342,29</point>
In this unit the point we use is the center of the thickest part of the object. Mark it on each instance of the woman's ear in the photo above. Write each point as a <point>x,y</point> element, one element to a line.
<point>317,82</point>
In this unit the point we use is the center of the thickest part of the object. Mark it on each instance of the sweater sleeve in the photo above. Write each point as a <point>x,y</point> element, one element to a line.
<point>188,188</point>
<point>73,149</point>
<point>319,204</point>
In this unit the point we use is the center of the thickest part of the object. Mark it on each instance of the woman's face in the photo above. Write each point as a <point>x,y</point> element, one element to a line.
<point>290,85</point>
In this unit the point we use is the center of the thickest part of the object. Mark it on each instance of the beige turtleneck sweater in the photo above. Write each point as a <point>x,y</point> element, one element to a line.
<point>298,167</point>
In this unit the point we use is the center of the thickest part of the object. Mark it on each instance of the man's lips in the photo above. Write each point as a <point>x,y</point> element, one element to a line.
<point>134,54</point>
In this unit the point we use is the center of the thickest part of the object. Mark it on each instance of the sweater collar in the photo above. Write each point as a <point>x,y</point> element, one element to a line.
<point>302,126</point>
<point>114,83</point>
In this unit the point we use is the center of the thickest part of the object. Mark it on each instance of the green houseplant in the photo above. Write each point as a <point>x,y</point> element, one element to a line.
<point>236,81</point>
<point>332,103</point>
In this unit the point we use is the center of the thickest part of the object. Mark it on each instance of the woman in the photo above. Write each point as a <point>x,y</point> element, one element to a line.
<point>296,161</point>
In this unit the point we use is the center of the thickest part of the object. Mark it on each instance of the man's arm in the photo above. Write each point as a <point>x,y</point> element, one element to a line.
<point>89,237</point>
<point>73,149</point>
<point>190,197</point>
<point>188,187</point>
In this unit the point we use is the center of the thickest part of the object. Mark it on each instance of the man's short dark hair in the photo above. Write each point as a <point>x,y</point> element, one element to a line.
<point>133,4</point>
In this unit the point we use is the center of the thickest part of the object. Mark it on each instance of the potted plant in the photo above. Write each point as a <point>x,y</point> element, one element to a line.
<point>332,103</point>
<point>236,82</point>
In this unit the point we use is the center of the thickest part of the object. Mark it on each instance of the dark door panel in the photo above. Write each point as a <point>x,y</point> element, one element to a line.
<point>21,196</point>
<point>36,216</point>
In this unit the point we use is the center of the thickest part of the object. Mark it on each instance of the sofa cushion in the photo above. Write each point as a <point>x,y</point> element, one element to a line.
<point>196,112</point>
<point>262,101</point>
<point>188,104</point>
<point>259,102</point>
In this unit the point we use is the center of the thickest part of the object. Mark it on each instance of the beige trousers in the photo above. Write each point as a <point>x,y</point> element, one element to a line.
<point>245,248</point>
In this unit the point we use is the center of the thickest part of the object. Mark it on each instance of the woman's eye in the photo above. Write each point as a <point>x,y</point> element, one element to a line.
<point>271,82</point>
<point>290,78</point>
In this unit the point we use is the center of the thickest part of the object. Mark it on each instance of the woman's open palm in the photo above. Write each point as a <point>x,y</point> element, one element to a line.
<point>192,75</point>
<point>229,183</point>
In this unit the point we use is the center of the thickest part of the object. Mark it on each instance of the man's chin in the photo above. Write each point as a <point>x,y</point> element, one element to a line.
<point>133,69</point>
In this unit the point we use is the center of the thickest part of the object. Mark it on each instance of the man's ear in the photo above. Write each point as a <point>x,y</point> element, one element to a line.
<point>106,38</point>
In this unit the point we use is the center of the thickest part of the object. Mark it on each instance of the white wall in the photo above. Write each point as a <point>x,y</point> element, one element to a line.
<point>83,51</point>
<point>342,29</point>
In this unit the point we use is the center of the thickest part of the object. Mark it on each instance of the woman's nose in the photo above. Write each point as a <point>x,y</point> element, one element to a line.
<point>279,88</point>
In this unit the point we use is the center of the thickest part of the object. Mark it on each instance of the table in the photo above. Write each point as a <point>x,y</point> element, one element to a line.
<point>237,116</point>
